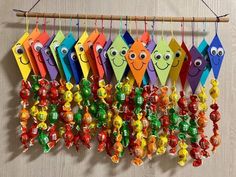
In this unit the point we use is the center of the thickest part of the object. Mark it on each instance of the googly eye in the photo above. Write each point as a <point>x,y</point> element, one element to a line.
<point>64,50</point>
<point>221,51</point>
<point>132,55</point>
<point>177,54</point>
<point>56,45</point>
<point>167,56</point>
<point>73,56</point>
<point>90,44</point>
<point>142,55</point>
<point>19,49</point>
<point>198,62</point>
<point>214,51</point>
<point>30,41</point>
<point>47,51</point>
<point>113,52</point>
<point>123,52</point>
<point>38,46</point>
<point>81,48</point>
<point>99,48</point>
<point>157,56</point>
<point>186,58</point>
<point>105,54</point>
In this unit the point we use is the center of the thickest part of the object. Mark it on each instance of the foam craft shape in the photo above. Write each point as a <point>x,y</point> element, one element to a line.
<point>202,48</point>
<point>88,48</point>
<point>216,53</point>
<point>128,38</point>
<point>97,49</point>
<point>179,56</point>
<point>81,55</point>
<point>196,68</point>
<point>75,66</point>
<point>27,46</point>
<point>49,60</point>
<point>36,47</point>
<point>21,57</point>
<point>53,46</point>
<point>66,45</point>
<point>162,58</point>
<point>106,62</point>
<point>150,68</point>
<point>186,64</point>
<point>116,54</point>
<point>145,38</point>
<point>138,57</point>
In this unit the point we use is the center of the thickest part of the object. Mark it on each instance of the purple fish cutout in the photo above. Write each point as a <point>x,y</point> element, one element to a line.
<point>216,54</point>
<point>49,60</point>
<point>75,66</point>
<point>196,69</point>
<point>150,69</point>
<point>106,62</point>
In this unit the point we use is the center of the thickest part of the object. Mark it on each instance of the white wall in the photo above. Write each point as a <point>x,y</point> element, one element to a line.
<point>67,163</point>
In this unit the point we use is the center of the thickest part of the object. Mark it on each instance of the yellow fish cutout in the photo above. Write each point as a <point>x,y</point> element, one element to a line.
<point>21,57</point>
<point>81,55</point>
<point>179,56</point>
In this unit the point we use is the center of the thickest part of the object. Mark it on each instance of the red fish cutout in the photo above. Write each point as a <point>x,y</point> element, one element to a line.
<point>97,49</point>
<point>88,49</point>
<point>36,47</point>
<point>138,58</point>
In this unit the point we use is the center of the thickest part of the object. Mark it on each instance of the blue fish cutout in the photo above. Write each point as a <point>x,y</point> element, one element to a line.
<point>66,45</point>
<point>216,54</point>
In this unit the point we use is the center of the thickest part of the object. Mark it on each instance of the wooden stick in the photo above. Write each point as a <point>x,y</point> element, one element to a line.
<point>116,17</point>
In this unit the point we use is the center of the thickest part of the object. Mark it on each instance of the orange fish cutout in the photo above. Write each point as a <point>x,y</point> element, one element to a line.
<point>88,48</point>
<point>36,47</point>
<point>138,57</point>
<point>27,46</point>
<point>97,49</point>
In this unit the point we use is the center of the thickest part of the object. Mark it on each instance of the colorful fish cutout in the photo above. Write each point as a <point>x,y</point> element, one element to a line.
<point>150,69</point>
<point>88,48</point>
<point>202,48</point>
<point>97,50</point>
<point>196,68</point>
<point>116,54</point>
<point>27,46</point>
<point>21,57</point>
<point>179,56</point>
<point>216,53</point>
<point>106,62</point>
<point>81,55</point>
<point>49,60</point>
<point>36,47</point>
<point>162,58</point>
<point>138,57</point>
<point>62,51</point>
<point>75,66</point>
<point>186,64</point>
<point>53,47</point>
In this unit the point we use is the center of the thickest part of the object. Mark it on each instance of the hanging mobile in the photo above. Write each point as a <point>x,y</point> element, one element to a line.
<point>216,53</point>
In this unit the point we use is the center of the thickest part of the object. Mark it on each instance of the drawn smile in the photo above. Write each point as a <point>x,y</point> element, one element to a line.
<point>99,61</point>
<point>22,62</point>
<point>176,64</point>
<point>117,64</point>
<point>150,67</point>
<point>138,68</point>
<point>81,59</point>
<point>194,75</point>
<point>50,62</point>
<point>40,59</point>
<point>167,65</point>
<point>216,62</point>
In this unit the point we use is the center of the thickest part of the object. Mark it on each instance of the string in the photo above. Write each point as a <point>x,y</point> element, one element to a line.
<point>95,23</point>
<point>120,31</point>
<point>162,32</point>
<point>193,31</point>
<point>130,26</point>
<point>26,23</point>
<point>204,28</point>
<point>145,23</point>
<point>70,24</point>
<point>37,22</point>
<point>44,24</point>
<point>110,28</point>
<point>136,27</point>
<point>182,30</point>
<point>54,26</point>
<point>216,27</point>
<point>60,15</point>
<point>126,21</point>
<point>171,27</point>
<point>86,22</point>
<point>78,26</point>
<point>102,25</point>
<point>153,26</point>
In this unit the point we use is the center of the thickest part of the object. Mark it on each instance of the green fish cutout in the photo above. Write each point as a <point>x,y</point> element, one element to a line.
<point>116,54</point>
<point>162,58</point>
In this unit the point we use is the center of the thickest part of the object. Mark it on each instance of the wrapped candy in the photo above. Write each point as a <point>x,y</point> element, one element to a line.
<point>182,153</point>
